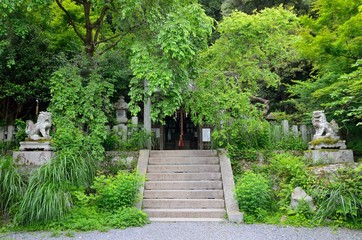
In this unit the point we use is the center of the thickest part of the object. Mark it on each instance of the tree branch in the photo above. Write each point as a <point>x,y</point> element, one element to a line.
<point>264,101</point>
<point>71,21</point>
<point>107,39</point>
<point>99,22</point>
<point>110,46</point>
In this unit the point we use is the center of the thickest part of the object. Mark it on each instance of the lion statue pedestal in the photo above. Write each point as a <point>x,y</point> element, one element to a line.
<point>326,146</point>
<point>36,149</point>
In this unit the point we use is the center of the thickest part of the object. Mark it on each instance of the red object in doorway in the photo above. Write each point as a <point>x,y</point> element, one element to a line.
<point>181,141</point>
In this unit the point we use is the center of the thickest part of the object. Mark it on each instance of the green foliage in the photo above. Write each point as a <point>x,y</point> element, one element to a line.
<point>20,131</point>
<point>113,192</point>
<point>253,194</point>
<point>12,186</point>
<point>91,218</point>
<point>164,55</point>
<point>339,198</point>
<point>80,99</point>
<point>109,166</point>
<point>26,61</point>
<point>250,6</point>
<point>278,140</point>
<point>301,216</point>
<point>110,206</point>
<point>47,196</point>
<point>5,147</point>
<point>245,58</point>
<point>331,40</point>
<point>288,172</point>
<point>136,140</point>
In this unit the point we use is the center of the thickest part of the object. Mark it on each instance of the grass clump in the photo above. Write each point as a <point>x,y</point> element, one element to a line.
<point>12,185</point>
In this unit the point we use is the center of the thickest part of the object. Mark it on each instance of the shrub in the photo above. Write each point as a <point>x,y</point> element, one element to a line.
<point>253,193</point>
<point>113,192</point>
<point>340,198</point>
<point>288,172</point>
<point>290,169</point>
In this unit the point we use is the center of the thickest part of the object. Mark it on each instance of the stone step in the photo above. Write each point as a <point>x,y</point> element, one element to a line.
<point>183,153</point>
<point>188,219</point>
<point>185,185</point>
<point>183,203</point>
<point>185,213</point>
<point>183,176</point>
<point>182,168</point>
<point>183,194</point>
<point>182,160</point>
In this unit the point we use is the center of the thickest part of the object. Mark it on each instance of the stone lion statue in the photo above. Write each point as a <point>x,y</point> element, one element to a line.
<point>40,129</point>
<point>322,127</point>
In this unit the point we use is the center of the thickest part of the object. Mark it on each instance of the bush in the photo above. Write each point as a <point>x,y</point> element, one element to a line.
<point>135,141</point>
<point>290,169</point>
<point>288,172</point>
<point>340,199</point>
<point>253,194</point>
<point>113,192</point>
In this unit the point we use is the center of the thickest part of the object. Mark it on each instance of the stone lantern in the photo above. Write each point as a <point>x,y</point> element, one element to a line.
<point>121,107</point>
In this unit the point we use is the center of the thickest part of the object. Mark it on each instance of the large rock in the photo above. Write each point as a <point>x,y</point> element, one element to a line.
<point>299,194</point>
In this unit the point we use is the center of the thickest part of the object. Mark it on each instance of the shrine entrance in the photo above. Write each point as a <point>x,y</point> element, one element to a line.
<point>180,132</point>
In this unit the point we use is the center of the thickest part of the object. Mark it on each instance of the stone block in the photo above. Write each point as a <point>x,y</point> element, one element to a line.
<point>35,146</point>
<point>10,132</point>
<point>338,145</point>
<point>285,126</point>
<point>304,133</point>
<point>32,157</point>
<point>135,121</point>
<point>329,156</point>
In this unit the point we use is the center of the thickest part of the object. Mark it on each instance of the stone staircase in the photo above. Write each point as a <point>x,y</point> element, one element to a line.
<point>184,185</point>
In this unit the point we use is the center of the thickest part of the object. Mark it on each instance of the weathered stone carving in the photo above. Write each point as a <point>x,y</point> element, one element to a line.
<point>324,129</point>
<point>40,129</point>
<point>325,136</point>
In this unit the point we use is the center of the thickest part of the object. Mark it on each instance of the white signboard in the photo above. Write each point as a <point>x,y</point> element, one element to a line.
<point>206,134</point>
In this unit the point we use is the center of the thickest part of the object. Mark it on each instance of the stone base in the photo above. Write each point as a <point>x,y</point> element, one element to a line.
<point>33,146</point>
<point>32,157</point>
<point>329,156</point>
<point>338,145</point>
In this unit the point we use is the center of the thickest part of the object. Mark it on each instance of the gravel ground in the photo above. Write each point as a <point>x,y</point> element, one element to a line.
<point>201,230</point>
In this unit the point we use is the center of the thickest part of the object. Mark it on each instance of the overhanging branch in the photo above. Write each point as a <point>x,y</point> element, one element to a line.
<point>71,21</point>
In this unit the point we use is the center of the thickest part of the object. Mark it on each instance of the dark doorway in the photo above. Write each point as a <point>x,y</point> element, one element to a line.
<point>180,132</point>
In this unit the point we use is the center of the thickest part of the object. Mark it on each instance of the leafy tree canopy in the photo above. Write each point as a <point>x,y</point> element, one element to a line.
<point>250,50</point>
<point>26,62</point>
<point>248,6</point>
<point>163,54</point>
<point>332,41</point>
